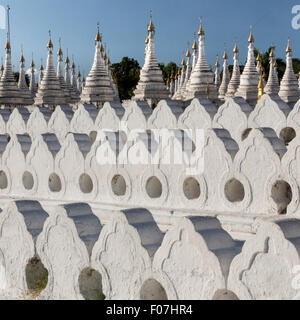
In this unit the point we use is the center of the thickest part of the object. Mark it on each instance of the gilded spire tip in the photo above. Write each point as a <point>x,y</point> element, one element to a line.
<point>288,48</point>
<point>201,30</point>
<point>251,38</point>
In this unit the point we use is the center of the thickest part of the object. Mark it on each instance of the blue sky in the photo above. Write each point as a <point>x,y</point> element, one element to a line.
<point>123,23</point>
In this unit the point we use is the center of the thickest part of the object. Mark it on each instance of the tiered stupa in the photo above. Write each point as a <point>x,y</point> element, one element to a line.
<point>9,91</point>
<point>217,73</point>
<point>65,90</point>
<point>289,89</point>
<point>272,86</point>
<point>79,84</point>
<point>49,91</point>
<point>151,86</point>
<point>236,76</point>
<point>248,87</point>
<point>75,93</point>
<point>32,85</point>
<point>202,76</point>
<point>188,72</point>
<point>22,85</point>
<point>72,97</point>
<point>41,74</point>
<point>97,88</point>
<point>225,78</point>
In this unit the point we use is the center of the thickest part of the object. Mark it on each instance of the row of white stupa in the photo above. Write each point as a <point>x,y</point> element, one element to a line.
<point>54,88</point>
<point>197,79</point>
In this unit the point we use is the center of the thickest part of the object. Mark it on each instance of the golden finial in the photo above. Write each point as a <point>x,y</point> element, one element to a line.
<point>98,36</point>
<point>151,27</point>
<point>32,65</point>
<point>22,59</point>
<point>251,38</point>
<point>179,72</point>
<point>104,56</point>
<point>7,45</point>
<point>288,48</point>
<point>275,64</point>
<point>188,52</point>
<point>201,30</point>
<point>258,58</point>
<point>2,68</point>
<point>195,46</point>
<point>73,63</point>
<point>101,47</point>
<point>79,74</point>
<point>83,78</point>
<point>41,66</point>
<point>217,65</point>
<point>225,53</point>
<point>59,52</point>
<point>260,88</point>
<point>235,49</point>
<point>50,44</point>
<point>183,61</point>
<point>67,61</point>
<point>147,39</point>
<point>272,55</point>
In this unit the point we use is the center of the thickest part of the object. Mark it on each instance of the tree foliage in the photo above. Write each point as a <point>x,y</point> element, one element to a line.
<point>126,75</point>
<point>167,70</point>
<point>280,63</point>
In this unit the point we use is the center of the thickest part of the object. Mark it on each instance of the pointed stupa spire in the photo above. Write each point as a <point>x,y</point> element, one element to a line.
<point>260,88</point>
<point>49,91</point>
<point>79,85</point>
<point>188,72</point>
<point>151,86</point>
<point>250,77</point>
<point>179,93</point>
<point>258,62</point>
<point>172,84</point>
<point>75,92</point>
<point>71,94</point>
<point>60,75</point>
<point>272,86</point>
<point>113,82</point>
<point>41,74</point>
<point>217,73</point>
<point>32,85</point>
<point>193,64</point>
<point>9,91</point>
<point>97,88</point>
<point>83,81</point>
<point>235,78</point>
<point>195,51</point>
<point>202,75</point>
<point>289,89</point>
<point>24,90</point>
<point>225,78</point>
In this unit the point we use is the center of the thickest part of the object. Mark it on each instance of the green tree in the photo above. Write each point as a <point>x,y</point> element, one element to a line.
<point>280,64</point>
<point>126,75</point>
<point>167,70</point>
